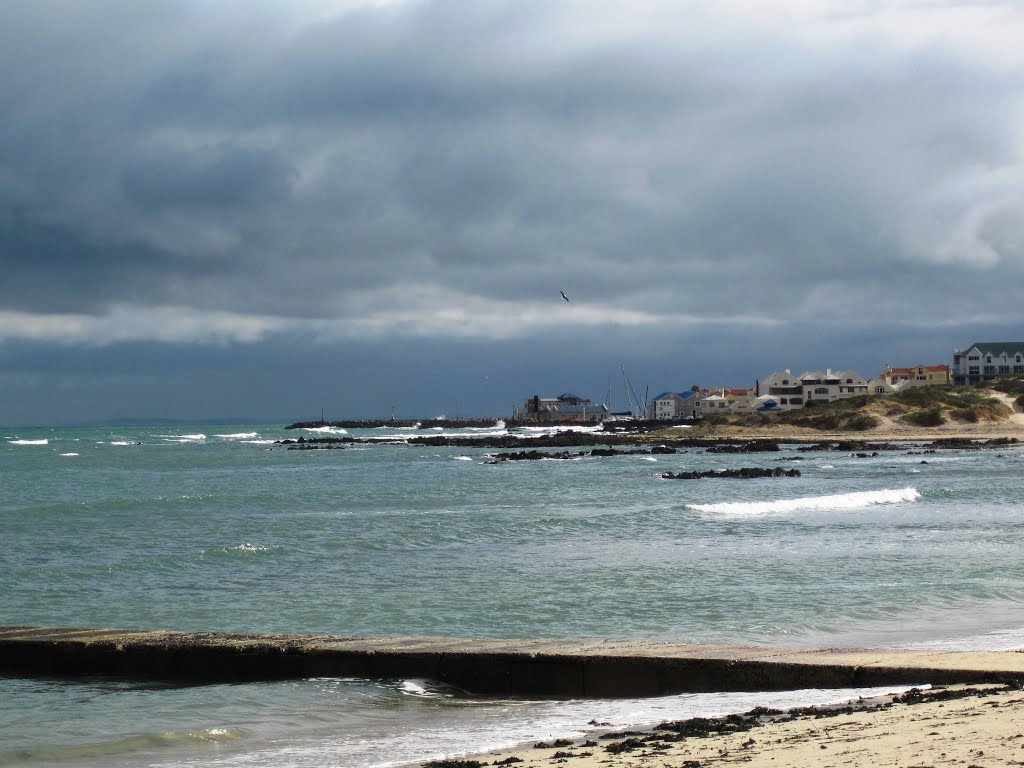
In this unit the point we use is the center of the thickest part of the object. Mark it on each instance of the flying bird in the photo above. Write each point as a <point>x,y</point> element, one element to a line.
<point>563,295</point>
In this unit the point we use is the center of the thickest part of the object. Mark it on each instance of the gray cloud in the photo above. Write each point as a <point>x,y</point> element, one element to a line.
<point>374,170</point>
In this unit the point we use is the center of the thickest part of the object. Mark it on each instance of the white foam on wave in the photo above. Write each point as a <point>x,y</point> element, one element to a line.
<point>857,500</point>
<point>120,442</point>
<point>184,438</point>
<point>238,436</point>
<point>462,458</point>
<point>44,441</point>
<point>67,454</point>
<point>258,442</point>
<point>324,430</point>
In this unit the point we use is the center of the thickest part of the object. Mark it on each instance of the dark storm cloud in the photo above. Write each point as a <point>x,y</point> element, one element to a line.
<point>212,171</point>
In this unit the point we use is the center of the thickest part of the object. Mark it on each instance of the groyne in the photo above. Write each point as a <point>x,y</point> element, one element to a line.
<point>558,668</point>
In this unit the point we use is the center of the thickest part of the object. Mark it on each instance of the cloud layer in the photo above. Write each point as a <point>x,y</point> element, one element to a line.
<point>225,172</point>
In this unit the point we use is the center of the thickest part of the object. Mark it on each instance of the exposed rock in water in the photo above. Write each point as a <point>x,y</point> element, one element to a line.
<point>754,446</point>
<point>746,473</point>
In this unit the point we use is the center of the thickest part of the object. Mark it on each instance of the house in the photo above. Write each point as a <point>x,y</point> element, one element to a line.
<point>983,361</point>
<point>713,404</point>
<point>674,405</point>
<point>832,385</point>
<point>918,376</point>
<point>784,388</point>
<point>565,407</point>
<point>880,386</point>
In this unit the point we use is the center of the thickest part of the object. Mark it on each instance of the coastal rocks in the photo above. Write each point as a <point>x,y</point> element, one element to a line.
<point>746,473</point>
<point>963,443</point>
<point>535,455</point>
<point>754,446</point>
<point>851,446</point>
<point>316,443</point>
<point>498,458</point>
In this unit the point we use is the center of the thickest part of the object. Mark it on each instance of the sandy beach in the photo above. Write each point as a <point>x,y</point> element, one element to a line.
<point>970,726</point>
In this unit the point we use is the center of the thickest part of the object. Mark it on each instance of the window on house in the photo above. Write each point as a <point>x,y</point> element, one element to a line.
<point>1004,369</point>
<point>990,370</point>
<point>821,390</point>
<point>974,357</point>
<point>973,370</point>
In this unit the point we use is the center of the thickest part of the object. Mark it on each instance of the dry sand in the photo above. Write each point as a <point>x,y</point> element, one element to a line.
<point>984,728</point>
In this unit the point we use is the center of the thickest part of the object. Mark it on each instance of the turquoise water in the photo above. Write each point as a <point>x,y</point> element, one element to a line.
<point>217,528</point>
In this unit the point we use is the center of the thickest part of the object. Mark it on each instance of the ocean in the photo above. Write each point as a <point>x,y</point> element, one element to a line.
<point>220,529</point>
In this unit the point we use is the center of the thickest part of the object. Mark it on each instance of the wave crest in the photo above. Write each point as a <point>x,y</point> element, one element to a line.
<point>857,500</point>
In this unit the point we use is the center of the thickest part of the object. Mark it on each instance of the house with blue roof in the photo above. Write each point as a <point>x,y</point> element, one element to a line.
<point>669,406</point>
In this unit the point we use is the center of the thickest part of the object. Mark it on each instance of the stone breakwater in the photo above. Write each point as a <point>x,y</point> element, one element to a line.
<point>565,668</point>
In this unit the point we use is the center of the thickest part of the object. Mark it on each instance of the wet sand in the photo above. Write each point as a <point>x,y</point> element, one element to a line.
<point>966,726</point>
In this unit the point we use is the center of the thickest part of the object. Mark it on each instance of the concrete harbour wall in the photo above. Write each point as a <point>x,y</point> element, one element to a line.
<point>555,668</point>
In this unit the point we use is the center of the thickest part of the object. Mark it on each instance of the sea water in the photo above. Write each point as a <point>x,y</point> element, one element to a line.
<point>220,528</point>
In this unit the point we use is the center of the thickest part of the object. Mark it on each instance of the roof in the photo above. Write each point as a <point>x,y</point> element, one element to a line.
<point>680,395</point>
<point>998,347</point>
<point>913,368</point>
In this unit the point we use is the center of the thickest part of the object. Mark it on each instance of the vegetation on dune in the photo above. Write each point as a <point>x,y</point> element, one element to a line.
<point>921,407</point>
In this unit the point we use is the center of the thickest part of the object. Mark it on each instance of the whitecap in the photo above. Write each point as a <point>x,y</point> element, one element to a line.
<point>44,441</point>
<point>67,454</point>
<point>326,430</point>
<point>120,442</point>
<point>647,458</point>
<point>462,458</point>
<point>857,500</point>
<point>247,548</point>
<point>825,466</point>
<point>258,442</point>
<point>238,436</point>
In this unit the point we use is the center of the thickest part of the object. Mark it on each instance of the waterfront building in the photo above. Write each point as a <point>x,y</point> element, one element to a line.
<point>675,405</point>
<point>918,376</point>
<point>832,385</point>
<point>984,361</point>
<point>565,407</point>
<point>784,388</point>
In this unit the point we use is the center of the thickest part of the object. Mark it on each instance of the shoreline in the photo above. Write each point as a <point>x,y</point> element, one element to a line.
<point>974,725</point>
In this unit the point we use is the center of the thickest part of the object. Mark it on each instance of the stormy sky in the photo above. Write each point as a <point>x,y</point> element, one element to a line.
<point>217,208</point>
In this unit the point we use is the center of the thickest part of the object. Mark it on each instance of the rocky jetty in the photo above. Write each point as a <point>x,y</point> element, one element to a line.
<point>746,473</point>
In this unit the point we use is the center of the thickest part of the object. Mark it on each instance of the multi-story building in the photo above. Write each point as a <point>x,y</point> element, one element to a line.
<point>831,385</point>
<point>675,405</point>
<point>986,360</point>
<point>784,388</point>
<point>918,376</point>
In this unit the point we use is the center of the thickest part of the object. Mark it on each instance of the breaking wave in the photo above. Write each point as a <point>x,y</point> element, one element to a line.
<point>856,500</point>
<point>44,441</point>
<point>238,436</point>
<point>327,430</point>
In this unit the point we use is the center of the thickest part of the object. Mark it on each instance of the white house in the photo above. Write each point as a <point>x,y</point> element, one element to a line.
<point>984,361</point>
<point>832,385</point>
<point>785,388</point>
